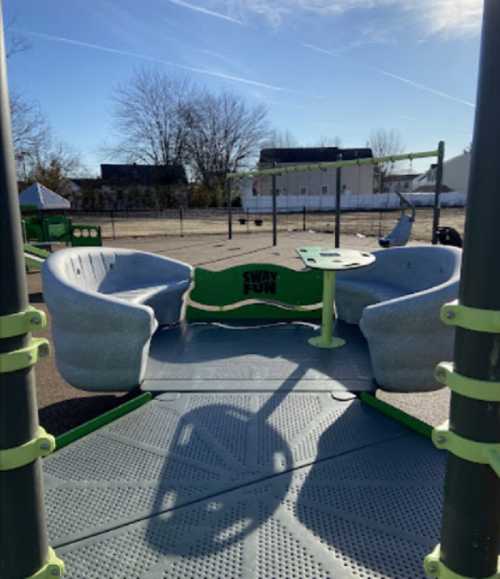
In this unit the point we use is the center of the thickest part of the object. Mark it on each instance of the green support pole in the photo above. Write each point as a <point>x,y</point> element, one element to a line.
<point>437,196</point>
<point>328,315</point>
<point>23,536</point>
<point>470,535</point>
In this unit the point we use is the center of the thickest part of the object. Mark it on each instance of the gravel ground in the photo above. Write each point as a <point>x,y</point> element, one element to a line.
<point>62,407</point>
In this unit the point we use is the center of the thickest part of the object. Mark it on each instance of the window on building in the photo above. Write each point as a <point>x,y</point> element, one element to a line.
<point>324,189</point>
<point>303,191</point>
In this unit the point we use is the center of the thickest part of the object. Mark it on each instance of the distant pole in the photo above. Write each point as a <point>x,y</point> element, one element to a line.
<point>437,195</point>
<point>470,534</point>
<point>304,218</point>
<point>337,203</point>
<point>113,223</point>
<point>181,220</point>
<point>23,534</point>
<point>275,220</point>
<point>229,209</point>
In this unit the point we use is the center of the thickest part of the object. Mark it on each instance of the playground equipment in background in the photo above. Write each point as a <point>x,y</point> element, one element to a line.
<point>449,236</point>
<point>405,228</point>
<point>49,228</point>
<point>34,257</point>
<point>401,233</point>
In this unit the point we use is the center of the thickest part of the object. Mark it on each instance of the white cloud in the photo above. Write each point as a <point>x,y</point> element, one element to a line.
<point>446,17</point>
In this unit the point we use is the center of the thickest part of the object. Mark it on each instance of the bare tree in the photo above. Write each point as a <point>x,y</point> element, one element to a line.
<point>149,113</point>
<point>385,143</point>
<point>29,132</point>
<point>53,166</point>
<point>225,135</point>
<point>333,141</point>
<point>280,140</point>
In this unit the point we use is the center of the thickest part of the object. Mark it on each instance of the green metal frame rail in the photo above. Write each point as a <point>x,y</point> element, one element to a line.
<point>102,420</point>
<point>334,164</point>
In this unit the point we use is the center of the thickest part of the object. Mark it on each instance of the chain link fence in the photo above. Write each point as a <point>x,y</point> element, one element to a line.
<point>188,222</point>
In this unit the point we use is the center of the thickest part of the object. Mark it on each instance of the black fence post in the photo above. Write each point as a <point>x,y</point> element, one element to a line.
<point>229,209</point>
<point>304,227</point>
<point>337,203</point>
<point>181,220</point>
<point>437,195</point>
<point>275,220</point>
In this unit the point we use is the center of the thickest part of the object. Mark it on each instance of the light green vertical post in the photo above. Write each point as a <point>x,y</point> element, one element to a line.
<point>329,314</point>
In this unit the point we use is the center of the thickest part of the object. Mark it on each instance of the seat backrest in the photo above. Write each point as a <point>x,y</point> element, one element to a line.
<point>108,270</point>
<point>411,269</point>
<point>255,292</point>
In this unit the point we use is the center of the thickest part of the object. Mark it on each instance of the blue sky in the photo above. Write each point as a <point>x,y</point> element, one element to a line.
<point>323,68</point>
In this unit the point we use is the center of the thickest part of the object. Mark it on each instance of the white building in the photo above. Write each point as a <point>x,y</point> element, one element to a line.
<point>455,175</point>
<point>316,183</point>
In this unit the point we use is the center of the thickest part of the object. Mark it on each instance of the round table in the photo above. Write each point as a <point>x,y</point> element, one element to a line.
<point>331,261</point>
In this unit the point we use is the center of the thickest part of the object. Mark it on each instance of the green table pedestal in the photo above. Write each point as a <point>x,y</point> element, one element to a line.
<point>328,316</point>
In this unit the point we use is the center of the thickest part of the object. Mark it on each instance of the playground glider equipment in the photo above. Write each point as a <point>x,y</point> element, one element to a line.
<point>131,301</point>
<point>272,481</point>
<point>401,233</point>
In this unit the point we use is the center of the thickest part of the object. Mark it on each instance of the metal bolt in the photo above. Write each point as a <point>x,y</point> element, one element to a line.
<point>441,439</point>
<point>433,568</point>
<point>55,572</point>
<point>44,445</point>
<point>450,314</point>
<point>35,320</point>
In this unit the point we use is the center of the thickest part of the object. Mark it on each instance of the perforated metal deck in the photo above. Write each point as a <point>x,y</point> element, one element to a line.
<point>221,358</point>
<point>250,485</point>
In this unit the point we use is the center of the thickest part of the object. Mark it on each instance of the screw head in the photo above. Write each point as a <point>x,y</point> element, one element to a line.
<point>35,320</point>
<point>433,568</point>
<point>441,439</point>
<point>45,445</point>
<point>450,314</point>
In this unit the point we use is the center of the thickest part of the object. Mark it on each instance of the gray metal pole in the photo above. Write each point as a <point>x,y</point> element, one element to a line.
<point>275,220</point>
<point>229,209</point>
<point>470,536</point>
<point>337,203</point>
<point>23,536</point>
<point>437,196</point>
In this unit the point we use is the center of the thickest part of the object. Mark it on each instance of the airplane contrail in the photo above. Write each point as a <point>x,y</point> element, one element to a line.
<point>206,11</point>
<point>203,71</point>
<point>407,81</point>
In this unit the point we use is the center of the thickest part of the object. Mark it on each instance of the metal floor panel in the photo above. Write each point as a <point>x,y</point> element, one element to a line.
<point>221,358</point>
<point>183,447</point>
<point>369,513</point>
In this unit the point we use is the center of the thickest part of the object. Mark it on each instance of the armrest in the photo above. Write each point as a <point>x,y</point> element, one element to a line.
<point>71,308</point>
<point>421,309</point>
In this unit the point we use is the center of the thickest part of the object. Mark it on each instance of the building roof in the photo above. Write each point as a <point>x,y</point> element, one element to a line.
<point>400,177</point>
<point>143,174</point>
<point>41,197</point>
<point>312,155</point>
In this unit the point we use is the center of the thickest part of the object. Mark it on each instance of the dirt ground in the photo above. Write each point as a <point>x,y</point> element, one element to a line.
<point>62,407</point>
<point>214,222</point>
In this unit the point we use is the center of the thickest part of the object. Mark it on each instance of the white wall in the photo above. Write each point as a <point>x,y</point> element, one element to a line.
<point>357,180</point>
<point>290,203</point>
